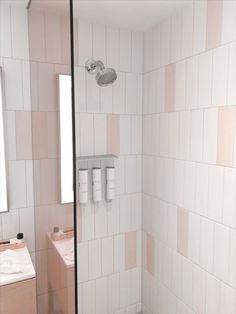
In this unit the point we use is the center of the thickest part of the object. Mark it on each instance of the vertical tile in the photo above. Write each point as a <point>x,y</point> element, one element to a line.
<point>83,258</point>
<point>227,299</point>
<point>39,135</point>
<point>219,75</point>
<point>37,36</point>
<point>160,89</point>
<point>199,289</point>
<point>125,134</point>
<point>184,135</point>
<point>10,135</point>
<point>207,244</point>
<point>187,281</point>
<point>228,21</point>
<point>200,21</point>
<point>187,30</point>
<point>125,50</point>
<point>101,303</point>
<point>112,47</point>
<point>17,184</point>
<point>125,285</point>
<point>130,174</point>
<point>23,135</point>
<point>150,253</point>
<point>231,93</point>
<point>212,294</point>
<point>226,125</point>
<point>26,221</point>
<point>86,134</point>
<point>100,134</point>
<point>92,94</point>
<point>215,193</point>
<point>113,217</point>
<point>205,80</point>
<point>26,85</point>
<point>85,40</point>
<point>107,256</point>
<point>19,28</point>
<point>113,134</point>
<point>164,134</point>
<point>194,237</point>
<point>136,133</point>
<point>53,38</point>
<point>192,82</point>
<point>130,250</point>
<point>113,293</point>
<point>65,40</point>
<point>119,253</point>
<point>210,135</point>
<point>173,134</point>
<point>201,195</point>
<point>100,213</point>
<point>165,41</point>
<point>99,39</point>
<point>189,185</point>
<point>46,87</point>
<point>131,93</point>
<point>125,213</point>
<point>106,99</point>
<point>88,222</point>
<point>48,181</point>
<point>229,198</point>
<point>180,89</point>
<point>95,267</point>
<point>10,224</point>
<point>182,231</point>
<point>196,148</point>
<point>176,35</point>
<point>147,51</point>
<point>88,293</point>
<point>13,82</point>
<point>170,72</point>
<point>80,93</point>
<point>214,23</point>
<point>137,52</point>
<point>5,31</point>
<point>119,94</point>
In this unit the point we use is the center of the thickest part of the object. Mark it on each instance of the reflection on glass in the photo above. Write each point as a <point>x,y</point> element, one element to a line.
<point>3,185</point>
<point>66,154</point>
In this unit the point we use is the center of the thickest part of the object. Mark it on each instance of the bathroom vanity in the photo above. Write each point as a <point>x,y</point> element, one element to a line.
<point>18,290</point>
<point>61,272</point>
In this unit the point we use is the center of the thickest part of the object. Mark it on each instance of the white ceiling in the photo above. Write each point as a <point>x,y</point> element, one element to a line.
<point>132,14</point>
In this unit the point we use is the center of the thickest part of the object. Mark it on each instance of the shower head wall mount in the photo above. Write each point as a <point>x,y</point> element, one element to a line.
<point>104,76</point>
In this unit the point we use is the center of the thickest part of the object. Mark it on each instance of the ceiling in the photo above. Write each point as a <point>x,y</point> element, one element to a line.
<point>132,14</point>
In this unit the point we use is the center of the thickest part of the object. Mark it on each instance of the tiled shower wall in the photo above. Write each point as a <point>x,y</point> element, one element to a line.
<point>109,121</point>
<point>189,160</point>
<point>14,60</point>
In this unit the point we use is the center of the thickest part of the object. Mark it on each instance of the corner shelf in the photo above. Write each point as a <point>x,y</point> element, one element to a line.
<point>95,157</point>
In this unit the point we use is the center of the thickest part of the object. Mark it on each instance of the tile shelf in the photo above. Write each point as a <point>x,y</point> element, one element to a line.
<point>95,157</point>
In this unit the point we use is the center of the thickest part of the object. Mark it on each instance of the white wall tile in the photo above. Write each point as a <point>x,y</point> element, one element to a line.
<point>219,75</point>
<point>231,93</point>
<point>205,80</point>
<point>156,47</point>
<point>196,150</point>
<point>112,47</point>
<point>5,31</point>
<point>113,293</point>
<point>92,94</point>
<point>100,134</point>
<point>147,134</point>
<point>125,291</point>
<point>125,50</point>
<point>180,87</point>
<point>10,135</point>
<point>130,174</point>
<point>83,261</point>
<point>207,244</point>
<point>86,134</point>
<point>200,21</point>
<point>80,93</point>
<point>13,81</point>
<point>131,93</point>
<point>173,134</point>
<point>229,198</point>
<point>176,35</point>
<point>221,252</point>
<point>199,289</point>
<point>26,85</point>
<point>212,294</point>
<point>99,42</point>
<point>184,134</point>
<point>147,51</point>
<point>100,215</point>
<point>95,266</point>
<point>125,134</point>
<point>125,213</point>
<point>192,82</point>
<point>155,136</point>
<point>164,134</point>
<point>228,21</point>
<point>232,259</point>
<point>85,42</point>
<point>87,213</point>
<point>187,30</point>
<point>107,256</point>
<point>187,279</point>
<point>227,299</point>
<point>215,193</point>
<point>26,221</point>
<point>194,237</point>
<point>113,217</point>
<point>101,296</point>
<point>165,41</point>
<point>136,212</point>
<point>119,94</point>
<point>10,224</point>
<point>137,52</point>
<point>88,297</point>
<point>119,248</point>
<point>160,90</point>
<point>189,185</point>
<point>210,135</point>
<point>106,99</point>
<point>136,143</point>
<point>201,196</point>
<point>17,184</point>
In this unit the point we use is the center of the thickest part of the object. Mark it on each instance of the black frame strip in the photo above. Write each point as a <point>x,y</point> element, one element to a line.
<point>74,152</point>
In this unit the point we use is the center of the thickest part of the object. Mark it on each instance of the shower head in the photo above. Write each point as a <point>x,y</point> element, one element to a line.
<point>104,76</point>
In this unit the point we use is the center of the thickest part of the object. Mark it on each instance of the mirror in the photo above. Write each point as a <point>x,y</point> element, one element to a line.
<point>3,179</point>
<point>66,153</point>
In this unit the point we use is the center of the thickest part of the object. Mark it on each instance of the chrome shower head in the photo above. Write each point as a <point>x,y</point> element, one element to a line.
<point>104,76</point>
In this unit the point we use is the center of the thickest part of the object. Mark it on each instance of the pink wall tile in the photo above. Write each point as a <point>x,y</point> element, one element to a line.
<point>23,135</point>
<point>113,134</point>
<point>36,35</point>
<point>150,254</point>
<point>39,134</point>
<point>226,127</point>
<point>65,40</point>
<point>48,181</point>
<point>53,38</point>
<point>214,23</point>
<point>76,44</point>
<point>182,231</point>
<point>130,250</point>
<point>170,71</point>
